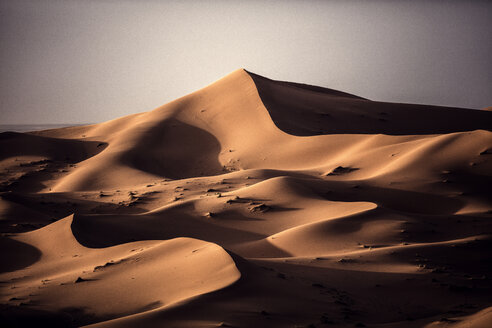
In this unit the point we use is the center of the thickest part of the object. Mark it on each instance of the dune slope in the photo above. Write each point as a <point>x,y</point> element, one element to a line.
<point>251,203</point>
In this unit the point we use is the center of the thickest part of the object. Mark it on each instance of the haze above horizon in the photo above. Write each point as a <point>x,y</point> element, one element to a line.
<point>91,61</point>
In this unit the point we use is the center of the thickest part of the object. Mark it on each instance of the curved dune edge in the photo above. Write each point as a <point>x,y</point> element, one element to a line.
<point>120,280</point>
<point>379,258</point>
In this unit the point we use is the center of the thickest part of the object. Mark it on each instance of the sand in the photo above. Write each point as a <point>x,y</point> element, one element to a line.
<point>251,203</point>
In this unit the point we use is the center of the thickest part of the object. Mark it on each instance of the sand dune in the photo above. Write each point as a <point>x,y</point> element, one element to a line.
<point>251,203</point>
<point>100,284</point>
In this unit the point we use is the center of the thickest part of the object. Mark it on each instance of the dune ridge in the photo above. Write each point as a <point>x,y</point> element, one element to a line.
<point>251,202</point>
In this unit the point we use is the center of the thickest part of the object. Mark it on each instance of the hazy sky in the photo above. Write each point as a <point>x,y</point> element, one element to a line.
<point>65,61</point>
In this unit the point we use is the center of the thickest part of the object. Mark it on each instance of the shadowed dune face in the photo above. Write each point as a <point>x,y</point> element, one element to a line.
<point>16,255</point>
<point>305,110</point>
<point>14,144</point>
<point>176,150</point>
<point>251,203</point>
<point>27,161</point>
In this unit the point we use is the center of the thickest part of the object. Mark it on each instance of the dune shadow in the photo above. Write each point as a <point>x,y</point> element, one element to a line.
<point>58,155</point>
<point>305,110</point>
<point>163,226</point>
<point>21,316</point>
<point>45,209</point>
<point>396,199</point>
<point>16,255</point>
<point>175,150</point>
<point>63,150</point>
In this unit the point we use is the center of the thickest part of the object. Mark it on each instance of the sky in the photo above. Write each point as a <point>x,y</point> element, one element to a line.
<point>88,61</point>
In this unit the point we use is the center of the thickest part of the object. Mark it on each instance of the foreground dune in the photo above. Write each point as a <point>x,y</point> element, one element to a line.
<point>251,203</point>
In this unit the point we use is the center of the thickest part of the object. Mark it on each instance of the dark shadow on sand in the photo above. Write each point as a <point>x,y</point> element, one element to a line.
<point>16,255</point>
<point>176,150</point>
<point>305,110</point>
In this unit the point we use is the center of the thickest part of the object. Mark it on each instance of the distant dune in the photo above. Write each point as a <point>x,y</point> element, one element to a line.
<point>251,203</point>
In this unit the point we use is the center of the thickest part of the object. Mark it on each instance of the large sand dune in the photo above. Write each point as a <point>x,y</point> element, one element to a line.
<point>251,203</point>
